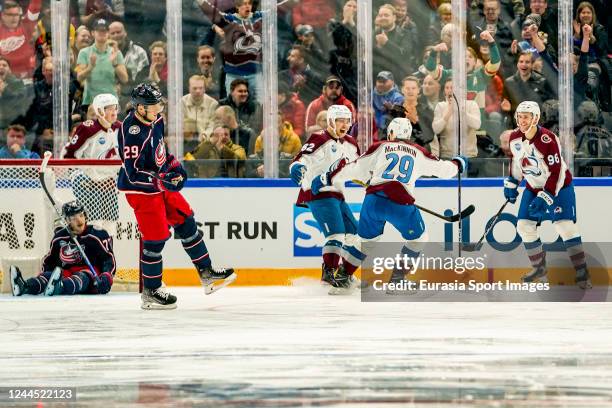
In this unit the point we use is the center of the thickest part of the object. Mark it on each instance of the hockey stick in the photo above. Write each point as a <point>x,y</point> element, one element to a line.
<point>41,177</point>
<point>460,226</point>
<point>469,247</point>
<point>448,218</point>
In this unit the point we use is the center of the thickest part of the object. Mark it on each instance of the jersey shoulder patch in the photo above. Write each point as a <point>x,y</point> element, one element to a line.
<point>88,123</point>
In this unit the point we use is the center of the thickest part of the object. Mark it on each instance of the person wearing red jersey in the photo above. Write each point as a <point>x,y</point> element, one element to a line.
<point>549,193</point>
<point>16,40</point>
<point>321,151</point>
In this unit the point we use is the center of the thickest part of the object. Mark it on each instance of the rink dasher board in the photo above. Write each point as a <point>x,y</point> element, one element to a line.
<point>254,225</point>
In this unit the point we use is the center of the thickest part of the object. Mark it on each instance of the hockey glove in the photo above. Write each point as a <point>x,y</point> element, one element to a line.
<point>297,173</point>
<point>175,166</point>
<point>511,189</point>
<point>169,182</point>
<point>461,162</point>
<point>319,182</point>
<point>539,206</point>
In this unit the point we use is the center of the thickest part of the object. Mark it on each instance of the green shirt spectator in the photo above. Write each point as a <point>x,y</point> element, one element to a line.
<point>100,65</point>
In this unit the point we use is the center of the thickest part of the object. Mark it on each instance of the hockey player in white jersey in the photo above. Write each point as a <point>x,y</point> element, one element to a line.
<point>96,139</point>
<point>548,195</point>
<point>95,187</point>
<point>320,152</point>
<point>390,170</point>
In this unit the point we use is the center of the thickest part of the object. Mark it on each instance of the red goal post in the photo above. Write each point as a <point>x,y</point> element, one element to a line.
<point>27,219</point>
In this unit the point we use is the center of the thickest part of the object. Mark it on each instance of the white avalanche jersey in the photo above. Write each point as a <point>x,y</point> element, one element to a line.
<point>318,154</point>
<point>92,141</point>
<point>539,161</point>
<point>393,168</point>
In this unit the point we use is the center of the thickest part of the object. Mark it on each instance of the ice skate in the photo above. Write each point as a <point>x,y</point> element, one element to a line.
<point>343,283</point>
<point>327,275</point>
<point>18,284</point>
<point>214,279</point>
<point>397,277</point>
<point>54,286</point>
<point>537,274</point>
<point>583,279</point>
<point>157,299</point>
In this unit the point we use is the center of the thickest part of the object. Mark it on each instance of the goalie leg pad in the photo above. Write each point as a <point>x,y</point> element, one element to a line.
<point>193,242</point>
<point>151,263</point>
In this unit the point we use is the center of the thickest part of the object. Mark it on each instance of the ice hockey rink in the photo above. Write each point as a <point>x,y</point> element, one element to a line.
<point>297,346</point>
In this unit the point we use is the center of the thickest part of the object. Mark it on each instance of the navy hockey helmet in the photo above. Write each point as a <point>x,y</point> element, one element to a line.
<point>146,94</point>
<point>72,208</point>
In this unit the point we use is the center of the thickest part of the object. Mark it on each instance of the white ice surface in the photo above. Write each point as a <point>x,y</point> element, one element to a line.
<point>296,346</point>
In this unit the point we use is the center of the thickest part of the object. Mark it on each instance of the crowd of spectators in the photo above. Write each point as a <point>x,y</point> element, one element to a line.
<point>512,55</point>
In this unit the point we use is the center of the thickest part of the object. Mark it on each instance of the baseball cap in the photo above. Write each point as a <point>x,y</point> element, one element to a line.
<point>385,76</point>
<point>100,24</point>
<point>333,78</point>
<point>304,29</point>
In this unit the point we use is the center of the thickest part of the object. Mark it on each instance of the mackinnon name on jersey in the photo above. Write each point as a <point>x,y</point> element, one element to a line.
<point>400,148</point>
<point>470,286</point>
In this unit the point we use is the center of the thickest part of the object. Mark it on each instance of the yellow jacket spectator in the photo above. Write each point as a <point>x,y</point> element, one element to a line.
<point>217,156</point>
<point>288,141</point>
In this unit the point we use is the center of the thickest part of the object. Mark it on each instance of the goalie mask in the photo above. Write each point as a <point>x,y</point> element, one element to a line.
<point>400,129</point>
<point>336,112</point>
<point>528,107</point>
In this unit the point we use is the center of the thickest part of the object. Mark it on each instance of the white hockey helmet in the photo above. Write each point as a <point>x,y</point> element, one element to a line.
<point>338,112</point>
<point>101,101</point>
<point>400,128</point>
<point>528,107</point>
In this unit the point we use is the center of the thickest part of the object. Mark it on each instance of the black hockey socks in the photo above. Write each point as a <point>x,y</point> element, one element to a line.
<point>151,262</point>
<point>76,284</point>
<point>193,243</point>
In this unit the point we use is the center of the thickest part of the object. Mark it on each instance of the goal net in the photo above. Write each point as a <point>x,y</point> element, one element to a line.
<point>27,219</point>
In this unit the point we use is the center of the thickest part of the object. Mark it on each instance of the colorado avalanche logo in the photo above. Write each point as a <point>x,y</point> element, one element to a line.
<point>248,44</point>
<point>530,166</point>
<point>69,254</point>
<point>546,139</point>
<point>160,155</point>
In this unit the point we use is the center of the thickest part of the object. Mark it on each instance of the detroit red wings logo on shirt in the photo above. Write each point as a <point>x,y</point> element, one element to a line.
<point>69,254</point>
<point>160,155</point>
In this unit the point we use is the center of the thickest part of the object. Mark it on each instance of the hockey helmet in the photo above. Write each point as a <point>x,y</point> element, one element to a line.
<point>338,112</point>
<point>528,107</point>
<point>400,128</point>
<point>101,101</point>
<point>146,94</point>
<point>72,208</point>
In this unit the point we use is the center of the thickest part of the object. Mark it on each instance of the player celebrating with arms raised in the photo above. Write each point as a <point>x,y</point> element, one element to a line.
<point>321,151</point>
<point>152,179</point>
<point>65,272</point>
<point>391,169</point>
<point>549,193</point>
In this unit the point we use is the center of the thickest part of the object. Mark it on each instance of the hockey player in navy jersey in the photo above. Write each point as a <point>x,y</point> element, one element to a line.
<point>320,152</point>
<point>64,271</point>
<point>549,193</point>
<point>390,170</point>
<point>151,178</point>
